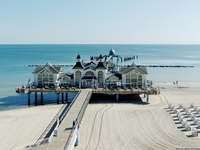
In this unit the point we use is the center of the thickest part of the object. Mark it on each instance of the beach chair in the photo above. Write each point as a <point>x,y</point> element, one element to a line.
<point>175,111</point>
<point>180,118</point>
<point>196,121</point>
<point>198,124</point>
<point>192,117</point>
<point>196,108</point>
<point>172,108</point>
<point>188,113</point>
<point>191,105</point>
<point>184,109</point>
<point>187,127</point>
<point>184,123</point>
<point>194,132</point>
<point>180,106</point>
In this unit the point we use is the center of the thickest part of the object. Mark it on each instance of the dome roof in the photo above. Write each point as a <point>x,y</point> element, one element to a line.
<point>112,52</point>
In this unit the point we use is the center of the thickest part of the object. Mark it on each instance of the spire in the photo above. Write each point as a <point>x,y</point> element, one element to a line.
<point>91,58</point>
<point>78,57</point>
<point>100,57</point>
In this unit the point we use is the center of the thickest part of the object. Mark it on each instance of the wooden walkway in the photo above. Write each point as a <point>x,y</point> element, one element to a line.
<point>58,143</point>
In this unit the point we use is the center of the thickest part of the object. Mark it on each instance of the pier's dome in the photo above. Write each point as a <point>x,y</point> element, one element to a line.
<point>112,52</point>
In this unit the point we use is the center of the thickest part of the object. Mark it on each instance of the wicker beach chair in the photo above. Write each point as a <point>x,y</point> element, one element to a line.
<point>191,105</point>
<point>194,132</point>
<point>180,106</point>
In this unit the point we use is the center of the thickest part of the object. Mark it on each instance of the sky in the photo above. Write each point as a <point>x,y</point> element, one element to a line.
<point>99,22</point>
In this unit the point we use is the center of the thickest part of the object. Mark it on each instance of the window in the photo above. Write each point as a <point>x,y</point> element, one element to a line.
<point>45,78</point>
<point>132,79</point>
<point>100,78</point>
<point>77,76</point>
<point>89,73</point>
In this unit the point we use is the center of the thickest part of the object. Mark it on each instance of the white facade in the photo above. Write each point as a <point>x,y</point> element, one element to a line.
<point>46,75</point>
<point>94,73</point>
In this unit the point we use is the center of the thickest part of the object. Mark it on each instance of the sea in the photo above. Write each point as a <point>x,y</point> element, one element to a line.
<point>15,61</point>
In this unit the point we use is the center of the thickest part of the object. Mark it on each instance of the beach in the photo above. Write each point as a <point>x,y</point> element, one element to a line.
<point>118,126</point>
<point>110,125</point>
<point>22,127</point>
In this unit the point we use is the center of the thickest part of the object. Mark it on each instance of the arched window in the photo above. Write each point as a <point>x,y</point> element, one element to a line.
<point>100,78</point>
<point>77,76</point>
<point>89,73</point>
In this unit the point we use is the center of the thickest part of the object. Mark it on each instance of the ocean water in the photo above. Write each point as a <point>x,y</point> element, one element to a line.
<point>15,58</point>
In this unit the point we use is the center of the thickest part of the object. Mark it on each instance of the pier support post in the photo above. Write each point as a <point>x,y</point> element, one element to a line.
<point>35,98</point>
<point>147,98</point>
<point>117,97</point>
<point>62,98</point>
<point>66,97</point>
<point>57,98</point>
<point>29,99</point>
<point>41,98</point>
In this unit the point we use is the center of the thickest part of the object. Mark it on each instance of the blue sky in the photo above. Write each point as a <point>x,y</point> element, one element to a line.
<point>99,22</point>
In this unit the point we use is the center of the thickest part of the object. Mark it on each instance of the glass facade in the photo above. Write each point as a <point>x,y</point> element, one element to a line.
<point>133,80</point>
<point>45,78</point>
<point>100,78</point>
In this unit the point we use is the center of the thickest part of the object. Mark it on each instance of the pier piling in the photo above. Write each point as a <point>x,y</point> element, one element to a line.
<point>41,98</point>
<point>29,99</point>
<point>57,98</point>
<point>35,98</point>
<point>117,97</point>
<point>147,98</point>
<point>66,97</point>
<point>62,98</point>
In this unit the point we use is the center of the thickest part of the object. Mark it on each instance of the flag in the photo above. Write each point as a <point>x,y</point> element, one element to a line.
<point>29,80</point>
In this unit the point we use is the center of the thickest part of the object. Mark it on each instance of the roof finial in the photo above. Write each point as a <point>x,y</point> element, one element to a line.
<point>100,57</point>
<point>78,56</point>
<point>91,58</point>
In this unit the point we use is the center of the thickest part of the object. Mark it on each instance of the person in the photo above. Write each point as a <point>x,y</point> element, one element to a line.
<point>74,123</point>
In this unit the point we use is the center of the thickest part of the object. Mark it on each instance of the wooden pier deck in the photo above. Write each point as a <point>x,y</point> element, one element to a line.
<point>64,130</point>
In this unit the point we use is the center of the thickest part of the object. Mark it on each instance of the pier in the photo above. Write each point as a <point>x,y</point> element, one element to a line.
<point>99,76</point>
<point>67,132</point>
<point>63,131</point>
<point>106,91</point>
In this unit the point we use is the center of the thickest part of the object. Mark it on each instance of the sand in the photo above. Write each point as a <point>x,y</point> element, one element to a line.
<point>22,127</point>
<point>109,126</point>
<point>128,126</point>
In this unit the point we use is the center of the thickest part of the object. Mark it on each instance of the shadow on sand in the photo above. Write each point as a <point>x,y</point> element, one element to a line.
<point>131,99</point>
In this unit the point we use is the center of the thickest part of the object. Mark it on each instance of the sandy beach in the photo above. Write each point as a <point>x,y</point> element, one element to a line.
<point>22,127</point>
<point>120,125</point>
<point>128,126</point>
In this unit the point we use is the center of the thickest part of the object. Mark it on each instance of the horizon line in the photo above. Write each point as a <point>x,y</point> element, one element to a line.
<point>97,44</point>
